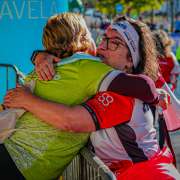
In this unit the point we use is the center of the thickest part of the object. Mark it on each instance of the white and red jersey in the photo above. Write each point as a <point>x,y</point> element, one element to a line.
<point>125,138</point>
<point>123,133</point>
<point>124,124</point>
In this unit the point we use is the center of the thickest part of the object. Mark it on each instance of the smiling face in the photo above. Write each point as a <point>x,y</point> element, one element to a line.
<point>114,52</point>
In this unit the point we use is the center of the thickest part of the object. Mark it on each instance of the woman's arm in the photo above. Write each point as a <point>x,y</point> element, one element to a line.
<point>134,85</point>
<point>59,115</point>
<point>104,113</point>
<point>63,117</point>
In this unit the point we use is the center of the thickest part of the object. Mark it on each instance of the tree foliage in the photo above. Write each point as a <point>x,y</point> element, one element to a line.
<point>129,6</point>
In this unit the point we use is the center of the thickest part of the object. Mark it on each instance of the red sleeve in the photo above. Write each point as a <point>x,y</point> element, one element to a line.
<point>109,109</point>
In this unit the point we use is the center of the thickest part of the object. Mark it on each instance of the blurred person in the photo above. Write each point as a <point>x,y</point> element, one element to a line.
<point>151,25</point>
<point>177,24</point>
<point>169,67</point>
<point>124,139</point>
<point>169,119</point>
<point>105,23</point>
<point>37,150</point>
<point>96,32</point>
<point>164,24</point>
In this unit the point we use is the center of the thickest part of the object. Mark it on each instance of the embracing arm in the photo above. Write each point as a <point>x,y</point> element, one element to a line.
<point>61,116</point>
<point>134,85</point>
<point>76,118</point>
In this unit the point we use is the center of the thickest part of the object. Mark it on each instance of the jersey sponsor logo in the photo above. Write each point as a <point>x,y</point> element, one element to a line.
<point>105,99</point>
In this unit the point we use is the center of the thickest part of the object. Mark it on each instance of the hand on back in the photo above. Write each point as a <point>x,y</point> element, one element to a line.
<point>44,65</point>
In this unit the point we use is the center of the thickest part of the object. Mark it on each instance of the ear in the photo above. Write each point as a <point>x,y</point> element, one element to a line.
<point>129,65</point>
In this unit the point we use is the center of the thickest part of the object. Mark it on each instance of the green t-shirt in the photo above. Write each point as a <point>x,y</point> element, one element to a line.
<point>40,151</point>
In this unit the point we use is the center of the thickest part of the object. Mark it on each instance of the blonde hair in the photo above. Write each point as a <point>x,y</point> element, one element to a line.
<point>148,63</point>
<point>65,34</point>
<point>163,43</point>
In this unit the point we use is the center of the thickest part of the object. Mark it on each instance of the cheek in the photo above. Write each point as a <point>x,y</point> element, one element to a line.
<point>114,61</point>
<point>120,62</point>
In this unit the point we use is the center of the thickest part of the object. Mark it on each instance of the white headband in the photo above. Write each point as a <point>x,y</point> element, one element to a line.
<point>131,38</point>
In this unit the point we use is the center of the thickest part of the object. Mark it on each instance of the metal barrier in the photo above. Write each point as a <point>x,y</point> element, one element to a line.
<point>9,76</point>
<point>8,67</point>
<point>87,166</point>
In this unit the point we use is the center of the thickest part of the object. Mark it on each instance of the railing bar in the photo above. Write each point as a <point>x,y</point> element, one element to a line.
<point>7,79</point>
<point>86,166</point>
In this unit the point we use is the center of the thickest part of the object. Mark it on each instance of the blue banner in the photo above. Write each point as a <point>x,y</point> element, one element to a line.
<point>21,26</point>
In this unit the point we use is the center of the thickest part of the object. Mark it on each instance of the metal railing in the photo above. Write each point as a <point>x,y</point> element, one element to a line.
<point>9,67</point>
<point>87,166</point>
<point>19,76</point>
